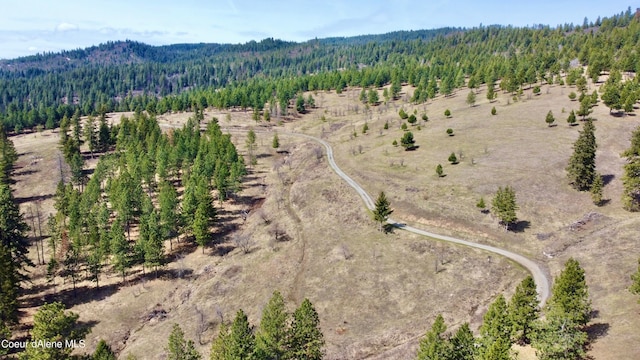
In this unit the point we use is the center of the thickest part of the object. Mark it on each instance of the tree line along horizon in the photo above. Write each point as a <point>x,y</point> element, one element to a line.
<point>266,77</point>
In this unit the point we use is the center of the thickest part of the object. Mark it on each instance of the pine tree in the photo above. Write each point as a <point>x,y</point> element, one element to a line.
<point>453,159</point>
<point>491,93</point>
<point>104,135</point>
<point>549,119</point>
<point>13,254</point>
<point>251,145</point>
<point>372,97</point>
<point>439,170</point>
<point>220,345</point>
<point>241,341</point>
<point>523,310</point>
<point>571,294</point>
<point>51,323</point>
<point>561,335</point>
<point>463,344</point>
<point>169,216</point>
<point>582,164</point>
<point>89,131</point>
<point>496,323</point>
<point>471,98</point>
<point>202,221</point>
<point>304,339</point>
<point>481,204</point>
<point>571,120</point>
<point>585,107</point>
<point>596,189</point>
<point>504,206</point>
<point>179,348</point>
<point>435,345</point>
<point>407,141</point>
<point>103,352</point>
<point>631,177</point>
<point>559,338</point>
<point>8,157</point>
<point>276,142</point>
<point>382,210</point>
<point>271,337</point>
<point>153,247</point>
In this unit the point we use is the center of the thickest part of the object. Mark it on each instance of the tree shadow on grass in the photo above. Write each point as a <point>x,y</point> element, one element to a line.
<point>520,226</point>
<point>22,200</point>
<point>606,179</point>
<point>70,297</point>
<point>25,172</point>
<point>597,330</point>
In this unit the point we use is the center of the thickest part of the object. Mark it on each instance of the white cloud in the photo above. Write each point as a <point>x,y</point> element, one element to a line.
<point>66,27</point>
<point>32,48</point>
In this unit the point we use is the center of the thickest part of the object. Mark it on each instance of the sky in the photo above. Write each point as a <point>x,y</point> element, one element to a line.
<point>28,27</point>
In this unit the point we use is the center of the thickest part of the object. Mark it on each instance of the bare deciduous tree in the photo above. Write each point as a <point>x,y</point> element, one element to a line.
<point>244,242</point>
<point>202,324</point>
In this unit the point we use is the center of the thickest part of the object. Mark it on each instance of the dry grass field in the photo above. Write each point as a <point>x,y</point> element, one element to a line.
<point>376,294</point>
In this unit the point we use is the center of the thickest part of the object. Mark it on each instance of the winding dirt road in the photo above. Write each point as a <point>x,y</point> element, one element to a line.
<point>540,278</point>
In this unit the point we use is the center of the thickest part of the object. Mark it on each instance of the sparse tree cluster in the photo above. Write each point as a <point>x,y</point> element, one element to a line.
<point>279,336</point>
<point>503,324</point>
<point>631,177</point>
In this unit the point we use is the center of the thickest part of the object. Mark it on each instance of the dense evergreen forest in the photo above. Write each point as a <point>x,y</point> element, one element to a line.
<point>125,76</point>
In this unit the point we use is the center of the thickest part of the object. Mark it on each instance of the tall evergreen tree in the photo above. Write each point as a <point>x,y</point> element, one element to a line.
<point>305,340</point>
<point>220,345</point>
<point>571,294</point>
<point>8,157</point>
<point>382,211</point>
<point>179,348</point>
<point>631,177</point>
<point>202,221</point>
<point>504,206</point>
<point>495,332</point>
<point>169,216</point>
<point>13,254</point>
<point>271,336</point>
<point>523,310</point>
<point>435,345</point>
<point>51,324</point>
<point>463,344</point>
<point>241,341</point>
<point>582,164</point>
<point>251,145</point>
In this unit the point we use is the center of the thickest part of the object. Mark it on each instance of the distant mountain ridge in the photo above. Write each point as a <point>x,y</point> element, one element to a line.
<point>134,52</point>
